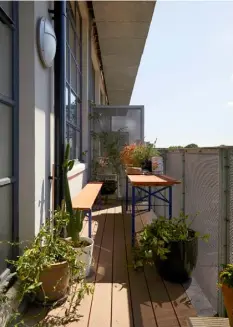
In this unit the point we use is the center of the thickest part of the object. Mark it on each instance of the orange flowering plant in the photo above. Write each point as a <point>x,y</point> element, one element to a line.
<point>136,154</point>
<point>127,154</point>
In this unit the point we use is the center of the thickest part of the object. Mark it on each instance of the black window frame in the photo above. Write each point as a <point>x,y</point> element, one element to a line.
<point>12,22</point>
<point>71,125</point>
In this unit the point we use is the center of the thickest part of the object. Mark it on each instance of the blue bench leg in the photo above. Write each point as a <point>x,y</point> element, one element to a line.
<point>149,199</point>
<point>89,222</point>
<point>170,202</point>
<point>133,214</point>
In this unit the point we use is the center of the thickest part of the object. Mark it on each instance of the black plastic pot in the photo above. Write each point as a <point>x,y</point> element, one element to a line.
<point>109,187</point>
<point>147,165</point>
<point>180,262</point>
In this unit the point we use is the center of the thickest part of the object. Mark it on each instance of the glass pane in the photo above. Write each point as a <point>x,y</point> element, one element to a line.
<point>67,64</point>
<point>79,85</point>
<point>78,115</point>
<point>67,103</point>
<point>78,56</point>
<point>71,38</point>
<point>7,7</point>
<point>73,109</point>
<point>72,141</point>
<point>5,224</point>
<point>5,60</point>
<point>73,73</point>
<point>5,141</point>
<point>78,26</point>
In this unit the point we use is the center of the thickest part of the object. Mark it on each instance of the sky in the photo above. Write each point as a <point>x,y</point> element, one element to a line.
<point>185,78</point>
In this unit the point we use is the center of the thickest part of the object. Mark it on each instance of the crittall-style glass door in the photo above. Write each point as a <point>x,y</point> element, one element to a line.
<point>8,132</point>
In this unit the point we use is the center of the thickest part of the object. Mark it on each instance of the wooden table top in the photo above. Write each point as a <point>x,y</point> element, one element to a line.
<point>152,180</point>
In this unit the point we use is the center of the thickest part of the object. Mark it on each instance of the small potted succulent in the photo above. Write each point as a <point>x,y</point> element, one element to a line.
<point>83,245</point>
<point>171,245</point>
<point>226,284</point>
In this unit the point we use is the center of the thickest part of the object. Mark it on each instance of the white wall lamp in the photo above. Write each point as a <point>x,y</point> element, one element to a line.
<point>46,42</point>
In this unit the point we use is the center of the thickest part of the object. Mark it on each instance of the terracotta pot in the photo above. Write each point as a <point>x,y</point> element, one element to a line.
<point>228,302</point>
<point>55,282</point>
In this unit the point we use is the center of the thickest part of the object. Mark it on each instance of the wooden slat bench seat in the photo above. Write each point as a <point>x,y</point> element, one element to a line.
<point>86,199</point>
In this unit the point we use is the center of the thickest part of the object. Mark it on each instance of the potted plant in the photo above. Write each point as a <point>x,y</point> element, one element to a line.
<point>47,266</point>
<point>142,155</point>
<point>171,245</point>
<point>138,155</point>
<point>83,245</point>
<point>226,284</point>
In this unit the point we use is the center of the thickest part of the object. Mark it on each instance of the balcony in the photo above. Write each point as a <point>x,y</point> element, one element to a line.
<point>127,297</point>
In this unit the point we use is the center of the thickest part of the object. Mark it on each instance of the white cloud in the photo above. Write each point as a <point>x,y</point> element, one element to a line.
<point>230,103</point>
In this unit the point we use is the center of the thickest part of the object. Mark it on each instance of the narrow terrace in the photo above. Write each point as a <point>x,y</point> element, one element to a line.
<point>123,297</point>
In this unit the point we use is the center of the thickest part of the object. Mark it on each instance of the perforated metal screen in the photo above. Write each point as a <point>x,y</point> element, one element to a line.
<point>202,191</point>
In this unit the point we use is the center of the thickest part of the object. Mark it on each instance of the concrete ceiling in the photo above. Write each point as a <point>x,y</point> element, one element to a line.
<point>122,30</point>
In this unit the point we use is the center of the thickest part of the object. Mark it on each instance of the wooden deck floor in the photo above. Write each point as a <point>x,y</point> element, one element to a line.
<point>123,297</point>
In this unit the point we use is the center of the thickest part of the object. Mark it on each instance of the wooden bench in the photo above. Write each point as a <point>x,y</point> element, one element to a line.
<point>86,199</point>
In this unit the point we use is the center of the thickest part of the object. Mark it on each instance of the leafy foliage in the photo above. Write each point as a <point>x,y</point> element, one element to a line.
<point>226,275</point>
<point>143,152</point>
<point>76,217</point>
<point>192,145</point>
<point>46,249</point>
<point>155,239</point>
<point>111,145</point>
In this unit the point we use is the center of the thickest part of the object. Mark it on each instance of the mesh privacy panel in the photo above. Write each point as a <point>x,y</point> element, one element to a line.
<point>199,192</point>
<point>230,203</point>
<point>202,197</point>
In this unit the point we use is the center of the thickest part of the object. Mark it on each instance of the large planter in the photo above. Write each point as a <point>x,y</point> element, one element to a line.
<point>181,260</point>
<point>85,254</point>
<point>109,187</point>
<point>55,282</point>
<point>228,302</point>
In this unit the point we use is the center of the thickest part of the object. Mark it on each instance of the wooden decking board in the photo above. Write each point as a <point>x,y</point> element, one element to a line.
<point>163,309</point>
<point>98,225</point>
<point>101,303</point>
<point>175,300</point>
<point>122,296</point>
<point>181,302</point>
<point>143,314</point>
<point>121,302</point>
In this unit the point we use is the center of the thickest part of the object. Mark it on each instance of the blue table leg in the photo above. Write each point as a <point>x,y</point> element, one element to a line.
<point>89,222</point>
<point>170,201</point>
<point>126,193</point>
<point>149,199</point>
<point>133,214</point>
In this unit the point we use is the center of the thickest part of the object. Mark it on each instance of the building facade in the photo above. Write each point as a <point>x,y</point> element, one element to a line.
<point>103,44</point>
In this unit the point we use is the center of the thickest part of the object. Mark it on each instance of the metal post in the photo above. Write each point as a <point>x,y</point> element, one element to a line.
<point>170,201</point>
<point>224,228</point>
<point>59,97</point>
<point>89,222</point>
<point>126,193</point>
<point>149,199</point>
<point>133,214</point>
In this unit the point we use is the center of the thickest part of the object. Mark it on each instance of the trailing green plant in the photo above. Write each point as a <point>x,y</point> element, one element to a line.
<point>226,275</point>
<point>155,238</point>
<point>76,217</point>
<point>49,248</point>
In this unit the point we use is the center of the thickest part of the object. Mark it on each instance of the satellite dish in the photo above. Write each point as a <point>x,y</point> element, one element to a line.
<point>46,41</point>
